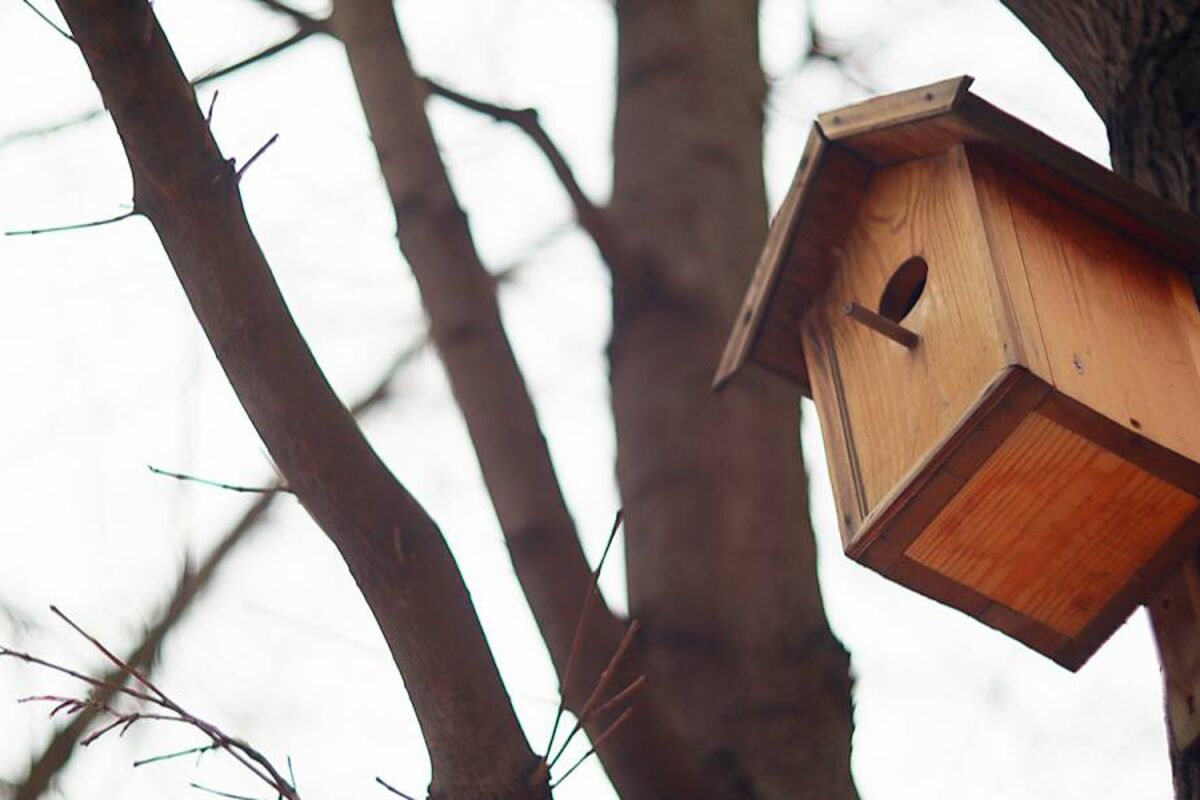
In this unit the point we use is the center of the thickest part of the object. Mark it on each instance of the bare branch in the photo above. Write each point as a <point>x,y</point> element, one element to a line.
<point>600,740</point>
<point>232,487</point>
<point>188,589</point>
<point>391,546</point>
<point>48,21</point>
<point>242,170</point>
<point>459,295</point>
<point>208,77</point>
<point>248,756</point>
<point>76,226</point>
<point>590,217</point>
<point>577,639</point>
<point>393,789</point>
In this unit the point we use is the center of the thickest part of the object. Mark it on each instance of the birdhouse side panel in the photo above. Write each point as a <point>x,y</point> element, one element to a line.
<point>900,402</point>
<point>1119,322</point>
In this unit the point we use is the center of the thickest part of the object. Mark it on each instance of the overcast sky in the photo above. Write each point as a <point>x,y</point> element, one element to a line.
<point>105,372</point>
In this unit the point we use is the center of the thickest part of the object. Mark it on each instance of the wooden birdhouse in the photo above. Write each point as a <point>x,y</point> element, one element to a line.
<point>1003,346</point>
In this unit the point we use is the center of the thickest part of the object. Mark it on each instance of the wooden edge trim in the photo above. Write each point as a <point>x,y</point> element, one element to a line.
<point>901,515</point>
<point>1133,447</point>
<point>893,109</point>
<point>886,534</point>
<point>753,310</point>
<point>1146,581</point>
<point>1031,633</point>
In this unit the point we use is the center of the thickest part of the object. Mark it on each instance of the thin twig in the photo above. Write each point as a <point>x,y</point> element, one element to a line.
<point>257,153</point>
<point>167,756</point>
<point>601,684</point>
<point>618,722</point>
<point>232,487</point>
<point>212,104</point>
<point>393,789</point>
<point>243,753</point>
<point>299,17</point>
<point>50,22</point>
<point>623,695</point>
<point>75,226</point>
<point>580,625</point>
<point>219,793</point>
<point>206,77</point>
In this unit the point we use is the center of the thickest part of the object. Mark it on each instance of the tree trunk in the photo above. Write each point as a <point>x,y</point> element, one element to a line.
<point>1138,63</point>
<point>721,558</point>
<point>644,758</point>
<point>395,552</point>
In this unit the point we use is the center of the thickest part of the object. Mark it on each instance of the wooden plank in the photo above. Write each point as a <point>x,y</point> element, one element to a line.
<point>1130,445</point>
<point>754,306</point>
<point>835,429</point>
<point>1084,183</point>
<point>902,402</point>
<point>917,500</point>
<point>1053,526</point>
<point>1024,331</point>
<point>811,222</point>
<point>894,109</point>
<point>1117,337</point>
<point>894,128</point>
<point>844,147</point>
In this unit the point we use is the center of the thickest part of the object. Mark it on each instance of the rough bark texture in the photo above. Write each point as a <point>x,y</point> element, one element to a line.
<point>1138,63</point>
<point>644,759</point>
<point>720,553</point>
<point>394,551</point>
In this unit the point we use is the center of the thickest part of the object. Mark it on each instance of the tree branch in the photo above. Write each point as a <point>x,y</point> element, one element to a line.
<point>304,32</point>
<point>190,586</point>
<point>644,759</point>
<point>590,217</point>
<point>395,552</point>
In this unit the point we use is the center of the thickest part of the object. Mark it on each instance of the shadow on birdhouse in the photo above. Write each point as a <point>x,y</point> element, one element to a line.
<point>1003,347</point>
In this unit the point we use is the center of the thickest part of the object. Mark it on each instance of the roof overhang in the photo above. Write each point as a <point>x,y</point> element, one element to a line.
<point>848,144</point>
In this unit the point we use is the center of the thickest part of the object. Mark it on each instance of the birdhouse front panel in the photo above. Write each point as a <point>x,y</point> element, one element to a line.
<point>916,255</point>
<point>1003,346</point>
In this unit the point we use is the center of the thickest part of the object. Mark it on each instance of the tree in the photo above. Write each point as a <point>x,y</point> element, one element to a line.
<point>682,462</point>
<point>733,643</point>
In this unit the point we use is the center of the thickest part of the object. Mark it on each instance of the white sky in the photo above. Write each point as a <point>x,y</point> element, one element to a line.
<point>105,371</point>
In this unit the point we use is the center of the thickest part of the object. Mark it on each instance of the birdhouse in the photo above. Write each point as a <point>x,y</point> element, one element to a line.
<point>1003,347</point>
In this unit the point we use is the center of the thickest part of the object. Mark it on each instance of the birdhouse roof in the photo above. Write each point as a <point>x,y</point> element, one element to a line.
<point>848,144</point>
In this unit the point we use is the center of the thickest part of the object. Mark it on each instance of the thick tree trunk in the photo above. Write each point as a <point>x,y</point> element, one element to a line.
<point>395,552</point>
<point>644,759</point>
<point>720,553</point>
<point>1138,63</point>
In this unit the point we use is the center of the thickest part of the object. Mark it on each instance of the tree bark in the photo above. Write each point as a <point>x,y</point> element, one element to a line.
<point>1138,63</point>
<point>721,556</point>
<point>393,549</point>
<point>644,759</point>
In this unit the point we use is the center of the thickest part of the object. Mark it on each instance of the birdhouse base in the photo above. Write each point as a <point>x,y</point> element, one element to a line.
<point>1039,517</point>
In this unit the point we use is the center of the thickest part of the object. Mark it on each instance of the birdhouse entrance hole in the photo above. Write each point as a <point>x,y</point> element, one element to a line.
<point>904,289</point>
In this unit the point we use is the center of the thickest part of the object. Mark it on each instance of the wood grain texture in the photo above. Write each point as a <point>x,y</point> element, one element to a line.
<point>895,109</point>
<point>1025,332</point>
<point>900,517</point>
<point>906,126</point>
<point>1117,337</point>
<point>902,402</point>
<point>811,223</point>
<point>1053,526</point>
